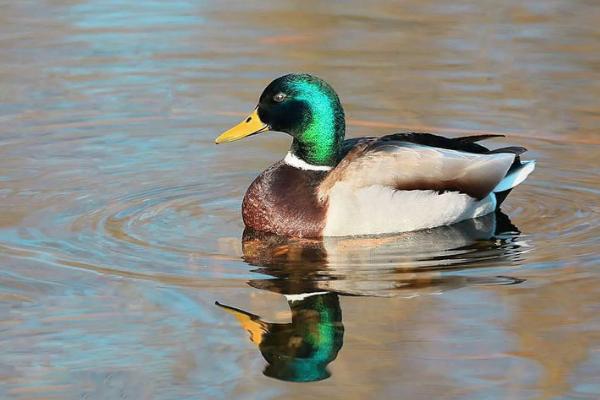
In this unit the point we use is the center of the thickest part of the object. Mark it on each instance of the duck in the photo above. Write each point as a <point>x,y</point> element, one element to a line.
<point>327,185</point>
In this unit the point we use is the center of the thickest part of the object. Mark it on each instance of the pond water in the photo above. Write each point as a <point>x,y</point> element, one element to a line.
<point>124,269</point>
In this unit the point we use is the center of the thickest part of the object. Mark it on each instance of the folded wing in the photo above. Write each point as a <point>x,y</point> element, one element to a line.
<point>403,165</point>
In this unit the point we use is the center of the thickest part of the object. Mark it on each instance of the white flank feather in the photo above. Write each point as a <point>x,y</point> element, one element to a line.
<point>379,209</point>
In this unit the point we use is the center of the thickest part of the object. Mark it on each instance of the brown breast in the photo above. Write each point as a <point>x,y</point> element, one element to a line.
<point>283,200</point>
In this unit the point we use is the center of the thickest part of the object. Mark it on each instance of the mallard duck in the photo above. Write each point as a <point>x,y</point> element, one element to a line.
<point>328,186</point>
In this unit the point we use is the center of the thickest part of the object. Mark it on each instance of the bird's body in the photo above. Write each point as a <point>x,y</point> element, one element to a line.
<point>328,186</point>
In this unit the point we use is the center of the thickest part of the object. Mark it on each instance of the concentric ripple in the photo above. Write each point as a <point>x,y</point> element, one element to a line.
<point>166,232</point>
<point>558,207</point>
<point>170,219</point>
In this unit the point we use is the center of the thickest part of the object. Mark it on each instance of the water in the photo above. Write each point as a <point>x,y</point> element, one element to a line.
<point>120,225</point>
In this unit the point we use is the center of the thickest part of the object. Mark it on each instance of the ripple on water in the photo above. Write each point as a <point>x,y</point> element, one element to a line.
<point>170,233</point>
<point>558,204</point>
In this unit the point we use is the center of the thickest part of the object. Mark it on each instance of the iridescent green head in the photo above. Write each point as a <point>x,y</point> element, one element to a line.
<point>303,106</point>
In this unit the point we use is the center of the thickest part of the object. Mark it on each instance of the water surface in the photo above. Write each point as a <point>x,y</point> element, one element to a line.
<point>120,225</point>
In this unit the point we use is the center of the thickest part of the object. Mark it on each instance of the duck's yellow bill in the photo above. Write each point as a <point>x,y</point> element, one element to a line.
<point>249,126</point>
<point>250,322</point>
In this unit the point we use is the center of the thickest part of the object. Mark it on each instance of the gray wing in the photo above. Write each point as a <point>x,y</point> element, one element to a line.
<point>409,166</point>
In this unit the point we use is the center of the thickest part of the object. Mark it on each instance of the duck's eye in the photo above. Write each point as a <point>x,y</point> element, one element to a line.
<point>279,97</point>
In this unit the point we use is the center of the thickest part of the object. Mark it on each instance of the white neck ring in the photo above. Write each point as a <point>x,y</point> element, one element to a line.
<point>301,296</point>
<point>294,161</point>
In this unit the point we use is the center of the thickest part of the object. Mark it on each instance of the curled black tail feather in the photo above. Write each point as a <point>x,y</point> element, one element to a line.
<point>516,150</point>
<point>477,138</point>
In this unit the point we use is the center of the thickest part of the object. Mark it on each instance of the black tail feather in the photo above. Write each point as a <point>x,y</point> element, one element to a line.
<point>516,150</point>
<point>477,138</point>
<point>500,197</point>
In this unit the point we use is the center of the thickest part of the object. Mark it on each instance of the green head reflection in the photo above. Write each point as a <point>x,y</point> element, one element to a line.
<point>301,350</point>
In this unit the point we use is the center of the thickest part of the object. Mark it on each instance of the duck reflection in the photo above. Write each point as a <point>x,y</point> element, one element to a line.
<point>312,273</point>
<point>301,350</point>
